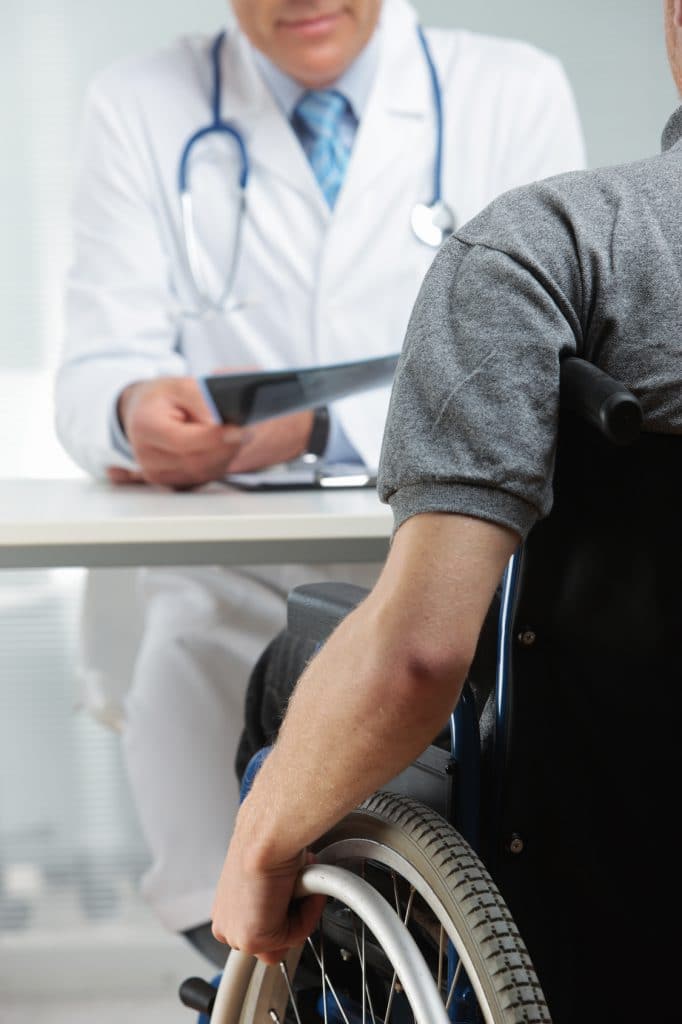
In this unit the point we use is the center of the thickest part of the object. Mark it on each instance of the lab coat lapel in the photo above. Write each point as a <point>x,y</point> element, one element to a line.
<point>271,142</point>
<point>399,106</point>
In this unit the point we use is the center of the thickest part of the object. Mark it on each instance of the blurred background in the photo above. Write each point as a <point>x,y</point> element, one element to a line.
<point>72,927</point>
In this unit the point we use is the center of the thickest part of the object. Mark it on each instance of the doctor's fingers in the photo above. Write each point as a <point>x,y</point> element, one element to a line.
<point>118,475</point>
<point>149,403</point>
<point>183,470</point>
<point>180,437</point>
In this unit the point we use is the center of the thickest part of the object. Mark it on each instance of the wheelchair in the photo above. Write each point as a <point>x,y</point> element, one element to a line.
<point>549,797</point>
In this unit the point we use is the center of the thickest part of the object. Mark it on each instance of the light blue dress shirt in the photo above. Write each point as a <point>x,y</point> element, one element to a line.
<point>355,84</point>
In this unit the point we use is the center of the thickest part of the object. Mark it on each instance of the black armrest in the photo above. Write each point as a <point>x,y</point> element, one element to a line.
<point>604,402</point>
<point>315,610</point>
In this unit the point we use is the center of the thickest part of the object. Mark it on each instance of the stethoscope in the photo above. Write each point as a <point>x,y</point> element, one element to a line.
<point>431,222</point>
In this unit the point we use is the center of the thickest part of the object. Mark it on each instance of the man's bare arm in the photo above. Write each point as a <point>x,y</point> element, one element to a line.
<point>368,704</point>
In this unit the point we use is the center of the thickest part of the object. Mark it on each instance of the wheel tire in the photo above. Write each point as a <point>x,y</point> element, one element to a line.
<point>451,879</point>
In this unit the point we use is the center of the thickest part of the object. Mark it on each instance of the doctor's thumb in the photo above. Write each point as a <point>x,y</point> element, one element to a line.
<point>192,402</point>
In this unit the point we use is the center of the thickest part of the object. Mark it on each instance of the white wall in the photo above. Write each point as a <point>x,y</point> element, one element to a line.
<point>613,51</point>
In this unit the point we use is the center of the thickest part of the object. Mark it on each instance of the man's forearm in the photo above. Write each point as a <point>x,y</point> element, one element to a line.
<point>382,686</point>
<point>373,698</point>
<point>358,716</point>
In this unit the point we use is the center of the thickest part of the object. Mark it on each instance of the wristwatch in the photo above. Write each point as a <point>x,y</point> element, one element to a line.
<point>319,434</point>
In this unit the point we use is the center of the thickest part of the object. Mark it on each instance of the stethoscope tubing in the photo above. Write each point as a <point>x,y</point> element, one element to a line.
<point>217,125</point>
<point>220,126</point>
<point>438,108</point>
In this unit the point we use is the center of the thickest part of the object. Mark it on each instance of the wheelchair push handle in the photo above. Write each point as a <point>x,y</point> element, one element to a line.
<point>591,394</point>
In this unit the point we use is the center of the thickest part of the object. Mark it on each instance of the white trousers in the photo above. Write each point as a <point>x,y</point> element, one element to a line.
<point>198,633</point>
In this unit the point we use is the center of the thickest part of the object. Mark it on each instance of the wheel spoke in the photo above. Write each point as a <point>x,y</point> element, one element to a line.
<point>408,911</point>
<point>396,898</point>
<point>409,906</point>
<point>292,997</point>
<point>363,965</point>
<point>324,974</point>
<point>331,987</point>
<point>441,947</point>
<point>362,959</point>
<point>365,989</point>
<point>453,985</point>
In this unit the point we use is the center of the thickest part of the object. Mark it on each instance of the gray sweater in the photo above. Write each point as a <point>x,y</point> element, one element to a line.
<point>588,264</point>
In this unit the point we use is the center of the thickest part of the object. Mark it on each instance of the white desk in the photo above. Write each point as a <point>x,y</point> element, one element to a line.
<point>50,523</point>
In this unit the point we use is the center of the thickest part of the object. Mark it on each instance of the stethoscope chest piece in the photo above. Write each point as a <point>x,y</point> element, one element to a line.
<point>432,223</point>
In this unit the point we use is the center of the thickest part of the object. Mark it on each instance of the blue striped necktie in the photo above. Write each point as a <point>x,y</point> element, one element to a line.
<point>317,119</point>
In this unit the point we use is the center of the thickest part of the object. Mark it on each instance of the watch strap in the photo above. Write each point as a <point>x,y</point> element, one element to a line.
<point>319,433</point>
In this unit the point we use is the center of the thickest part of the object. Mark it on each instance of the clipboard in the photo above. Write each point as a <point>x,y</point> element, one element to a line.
<point>243,398</point>
<point>299,475</point>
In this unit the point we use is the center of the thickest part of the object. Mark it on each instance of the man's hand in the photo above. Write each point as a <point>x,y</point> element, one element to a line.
<point>173,436</point>
<point>254,908</point>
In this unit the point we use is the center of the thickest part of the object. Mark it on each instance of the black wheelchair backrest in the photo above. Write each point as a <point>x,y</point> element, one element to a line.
<point>591,775</point>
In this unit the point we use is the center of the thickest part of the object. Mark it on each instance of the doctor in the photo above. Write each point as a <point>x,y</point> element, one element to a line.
<point>346,127</point>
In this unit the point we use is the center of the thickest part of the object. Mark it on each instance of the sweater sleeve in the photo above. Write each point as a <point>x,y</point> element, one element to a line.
<point>474,411</point>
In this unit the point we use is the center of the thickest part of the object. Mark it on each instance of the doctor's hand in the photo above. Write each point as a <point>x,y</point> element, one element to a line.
<point>273,441</point>
<point>174,438</point>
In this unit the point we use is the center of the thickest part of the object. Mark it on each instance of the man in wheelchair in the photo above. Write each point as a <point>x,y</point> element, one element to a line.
<point>587,265</point>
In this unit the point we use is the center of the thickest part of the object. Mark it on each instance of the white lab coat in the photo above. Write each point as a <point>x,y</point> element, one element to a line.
<point>312,286</point>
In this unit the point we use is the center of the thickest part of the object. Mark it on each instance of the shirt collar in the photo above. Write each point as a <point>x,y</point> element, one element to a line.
<point>355,83</point>
<point>672,133</point>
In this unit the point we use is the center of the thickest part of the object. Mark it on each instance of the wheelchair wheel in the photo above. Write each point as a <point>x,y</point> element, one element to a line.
<point>452,909</point>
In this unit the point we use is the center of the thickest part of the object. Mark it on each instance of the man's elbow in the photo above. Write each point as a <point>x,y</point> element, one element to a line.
<point>443,666</point>
<point>430,679</point>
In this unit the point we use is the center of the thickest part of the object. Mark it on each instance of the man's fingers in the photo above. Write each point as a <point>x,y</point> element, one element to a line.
<point>274,957</point>
<point>255,910</point>
<point>303,918</point>
<point>301,921</point>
